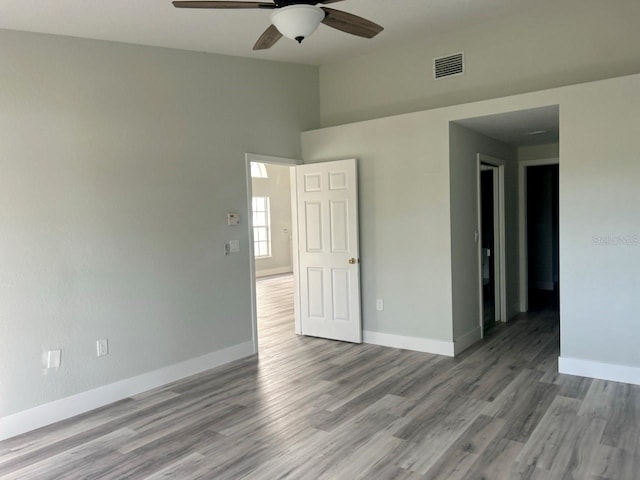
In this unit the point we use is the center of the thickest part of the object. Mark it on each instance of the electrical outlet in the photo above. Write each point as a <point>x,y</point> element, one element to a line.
<point>102,347</point>
<point>379,304</point>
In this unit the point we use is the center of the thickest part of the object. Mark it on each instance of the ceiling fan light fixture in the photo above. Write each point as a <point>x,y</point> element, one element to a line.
<point>297,22</point>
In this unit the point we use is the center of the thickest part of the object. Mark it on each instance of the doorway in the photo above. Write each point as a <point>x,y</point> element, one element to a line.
<point>488,243</point>
<point>323,245</point>
<point>491,232</point>
<point>270,223</point>
<point>540,234</point>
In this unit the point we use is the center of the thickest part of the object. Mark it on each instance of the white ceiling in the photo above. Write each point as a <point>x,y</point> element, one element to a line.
<point>233,32</point>
<point>515,128</point>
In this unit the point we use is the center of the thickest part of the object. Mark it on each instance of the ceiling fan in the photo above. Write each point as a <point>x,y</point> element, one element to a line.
<point>295,19</point>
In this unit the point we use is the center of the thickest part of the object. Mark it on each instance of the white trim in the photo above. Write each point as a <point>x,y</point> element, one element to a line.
<point>248,158</point>
<point>256,157</point>
<point>600,370</point>
<point>64,408</point>
<point>273,271</point>
<point>463,342</point>
<point>252,255</point>
<point>417,344</point>
<point>295,259</point>
<point>522,224</point>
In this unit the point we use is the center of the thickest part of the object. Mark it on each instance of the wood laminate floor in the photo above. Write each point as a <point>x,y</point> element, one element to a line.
<point>316,409</point>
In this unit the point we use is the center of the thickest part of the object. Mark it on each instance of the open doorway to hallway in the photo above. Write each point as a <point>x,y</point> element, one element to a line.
<point>272,244</point>
<point>525,137</point>
<point>541,182</point>
<point>489,226</point>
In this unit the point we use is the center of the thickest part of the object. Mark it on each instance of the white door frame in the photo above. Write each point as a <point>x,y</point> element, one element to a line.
<point>295,258</point>
<point>522,225</point>
<point>292,162</point>
<point>500,259</point>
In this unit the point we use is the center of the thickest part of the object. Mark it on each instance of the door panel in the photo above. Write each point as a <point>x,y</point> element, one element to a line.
<point>312,182</point>
<point>313,231</point>
<point>315,292</point>
<point>328,250</point>
<point>340,285</point>
<point>339,227</point>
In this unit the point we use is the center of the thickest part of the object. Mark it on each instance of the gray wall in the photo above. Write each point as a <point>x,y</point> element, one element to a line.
<point>465,144</point>
<point>404,220</point>
<point>564,43</point>
<point>539,152</point>
<point>118,166</point>
<point>405,200</point>
<point>599,198</point>
<point>278,188</point>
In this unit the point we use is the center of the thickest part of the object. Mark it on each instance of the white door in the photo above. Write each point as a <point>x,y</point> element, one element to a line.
<point>329,270</point>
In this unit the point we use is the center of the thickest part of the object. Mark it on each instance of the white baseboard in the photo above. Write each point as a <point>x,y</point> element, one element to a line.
<point>602,371</point>
<point>273,271</point>
<point>417,344</point>
<point>53,412</point>
<point>465,341</point>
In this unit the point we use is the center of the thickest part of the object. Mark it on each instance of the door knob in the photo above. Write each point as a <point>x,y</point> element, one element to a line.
<point>352,261</point>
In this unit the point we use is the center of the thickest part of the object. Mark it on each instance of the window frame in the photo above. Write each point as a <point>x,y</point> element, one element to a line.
<point>258,170</point>
<point>261,229</point>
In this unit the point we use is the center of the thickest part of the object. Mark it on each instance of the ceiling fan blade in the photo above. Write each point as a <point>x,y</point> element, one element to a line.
<point>220,4</point>
<point>268,39</point>
<point>350,23</point>
<point>330,1</point>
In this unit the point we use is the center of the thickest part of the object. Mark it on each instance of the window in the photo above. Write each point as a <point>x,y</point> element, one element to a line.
<point>261,227</point>
<point>258,170</point>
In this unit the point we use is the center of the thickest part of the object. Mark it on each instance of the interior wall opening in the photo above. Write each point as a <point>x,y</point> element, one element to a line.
<point>543,244</point>
<point>269,219</point>
<point>488,220</point>
<point>522,138</point>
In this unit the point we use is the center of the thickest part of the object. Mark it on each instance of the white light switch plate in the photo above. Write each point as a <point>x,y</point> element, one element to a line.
<point>102,347</point>
<point>233,219</point>
<point>53,358</point>
<point>234,246</point>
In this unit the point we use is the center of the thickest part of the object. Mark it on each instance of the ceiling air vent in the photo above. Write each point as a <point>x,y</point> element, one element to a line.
<point>448,66</point>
